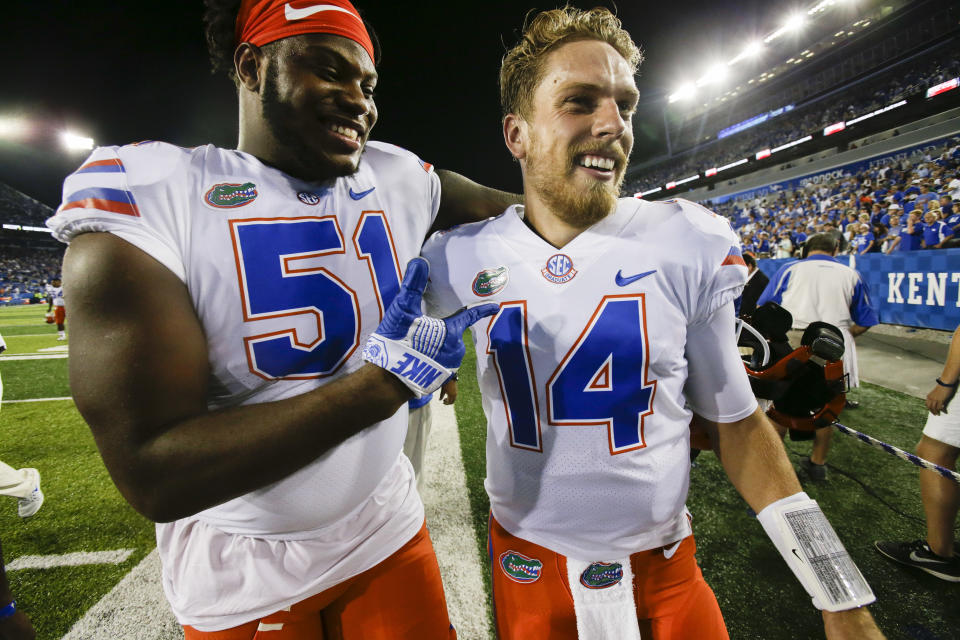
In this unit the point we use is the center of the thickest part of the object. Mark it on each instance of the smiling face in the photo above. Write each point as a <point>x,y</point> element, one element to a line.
<point>314,108</point>
<point>574,144</point>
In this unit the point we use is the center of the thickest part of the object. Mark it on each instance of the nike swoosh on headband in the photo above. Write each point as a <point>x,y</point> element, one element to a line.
<point>292,13</point>
<point>622,282</point>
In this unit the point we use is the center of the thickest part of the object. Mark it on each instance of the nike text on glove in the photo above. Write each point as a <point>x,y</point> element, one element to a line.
<point>422,351</point>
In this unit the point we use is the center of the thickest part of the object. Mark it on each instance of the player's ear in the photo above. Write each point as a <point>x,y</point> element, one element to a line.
<point>249,63</point>
<point>515,135</point>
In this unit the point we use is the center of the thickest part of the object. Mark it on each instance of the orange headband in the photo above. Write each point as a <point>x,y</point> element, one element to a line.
<point>260,22</point>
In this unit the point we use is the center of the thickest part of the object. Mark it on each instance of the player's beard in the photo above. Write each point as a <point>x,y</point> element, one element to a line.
<point>281,117</point>
<point>551,177</point>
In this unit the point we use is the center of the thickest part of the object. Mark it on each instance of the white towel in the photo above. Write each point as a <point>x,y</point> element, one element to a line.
<point>604,612</point>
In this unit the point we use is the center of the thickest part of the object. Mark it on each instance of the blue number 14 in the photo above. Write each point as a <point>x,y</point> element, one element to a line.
<point>602,380</point>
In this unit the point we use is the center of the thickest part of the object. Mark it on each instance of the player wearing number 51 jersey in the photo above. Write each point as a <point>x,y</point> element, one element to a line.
<point>286,278</point>
<point>220,302</point>
<point>615,328</point>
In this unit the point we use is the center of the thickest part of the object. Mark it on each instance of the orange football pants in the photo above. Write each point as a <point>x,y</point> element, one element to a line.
<point>59,314</point>
<point>399,599</point>
<point>673,600</point>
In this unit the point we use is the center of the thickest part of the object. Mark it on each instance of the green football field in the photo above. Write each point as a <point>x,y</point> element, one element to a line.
<point>869,495</point>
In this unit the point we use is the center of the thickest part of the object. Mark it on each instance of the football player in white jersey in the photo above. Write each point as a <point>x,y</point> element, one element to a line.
<point>56,307</point>
<point>227,393</point>
<point>615,328</point>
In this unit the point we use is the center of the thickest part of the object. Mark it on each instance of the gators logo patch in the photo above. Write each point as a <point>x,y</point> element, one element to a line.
<point>227,195</point>
<point>601,575</point>
<point>490,281</point>
<point>519,567</point>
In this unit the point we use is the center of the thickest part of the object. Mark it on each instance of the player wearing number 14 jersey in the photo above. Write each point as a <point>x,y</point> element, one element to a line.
<point>615,328</point>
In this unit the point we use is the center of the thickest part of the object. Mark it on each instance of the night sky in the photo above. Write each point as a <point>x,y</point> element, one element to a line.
<point>124,72</point>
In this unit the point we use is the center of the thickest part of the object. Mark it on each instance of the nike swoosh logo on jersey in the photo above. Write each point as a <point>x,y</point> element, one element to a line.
<point>362,194</point>
<point>622,282</point>
<point>292,13</point>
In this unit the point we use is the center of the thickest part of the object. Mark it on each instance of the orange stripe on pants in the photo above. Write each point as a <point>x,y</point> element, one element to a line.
<point>673,600</point>
<point>399,599</point>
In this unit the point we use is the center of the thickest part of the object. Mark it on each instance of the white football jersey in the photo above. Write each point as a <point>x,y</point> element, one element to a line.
<point>56,293</point>
<point>590,369</point>
<point>288,279</point>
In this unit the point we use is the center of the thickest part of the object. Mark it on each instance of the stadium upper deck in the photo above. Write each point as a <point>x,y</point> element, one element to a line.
<point>824,102</point>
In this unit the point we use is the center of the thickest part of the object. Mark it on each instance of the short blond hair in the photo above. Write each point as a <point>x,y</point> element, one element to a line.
<point>522,67</point>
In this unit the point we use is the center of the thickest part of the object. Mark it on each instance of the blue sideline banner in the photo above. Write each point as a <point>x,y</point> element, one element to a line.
<point>911,288</point>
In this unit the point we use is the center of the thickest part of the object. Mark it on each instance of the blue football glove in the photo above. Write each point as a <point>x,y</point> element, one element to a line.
<point>422,351</point>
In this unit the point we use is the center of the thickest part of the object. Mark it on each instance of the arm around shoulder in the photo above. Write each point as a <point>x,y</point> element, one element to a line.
<point>462,200</point>
<point>139,373</point>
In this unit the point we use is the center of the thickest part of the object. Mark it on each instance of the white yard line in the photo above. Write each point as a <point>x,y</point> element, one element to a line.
<point>38,400</point>
<point>452,529</point>
<point>34,356</point>
<point>77,559</point>
<point>134,608</point>
<point>137,608</point>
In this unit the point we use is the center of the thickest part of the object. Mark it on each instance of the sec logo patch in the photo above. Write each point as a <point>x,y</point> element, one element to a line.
<point>307,197</point>
<point>559,269</point>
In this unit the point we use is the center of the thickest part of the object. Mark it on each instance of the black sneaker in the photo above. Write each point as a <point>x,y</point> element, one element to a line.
<point>814,471</point>
<point>918,554</point>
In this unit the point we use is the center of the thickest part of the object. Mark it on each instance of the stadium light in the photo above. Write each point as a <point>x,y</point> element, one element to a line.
<point>823,5</point>
<point>795,22</point>
<point>714,75</point>
<point>752,50</point>
<point>683,92</point>
<point>13,127</point>
<point>75,142</point>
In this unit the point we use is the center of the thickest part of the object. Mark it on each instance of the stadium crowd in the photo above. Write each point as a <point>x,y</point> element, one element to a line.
<point>19,208</point>
<point>898,205</point>
<point>811,118</point>
<point>25,272</point>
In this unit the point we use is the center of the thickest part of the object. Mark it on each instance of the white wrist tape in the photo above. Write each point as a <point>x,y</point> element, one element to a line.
<point>422,374</point>
<point>812,550</point>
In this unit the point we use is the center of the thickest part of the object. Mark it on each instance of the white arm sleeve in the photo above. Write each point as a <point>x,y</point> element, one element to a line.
<point>717,385</point>
<point>812,550</point>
